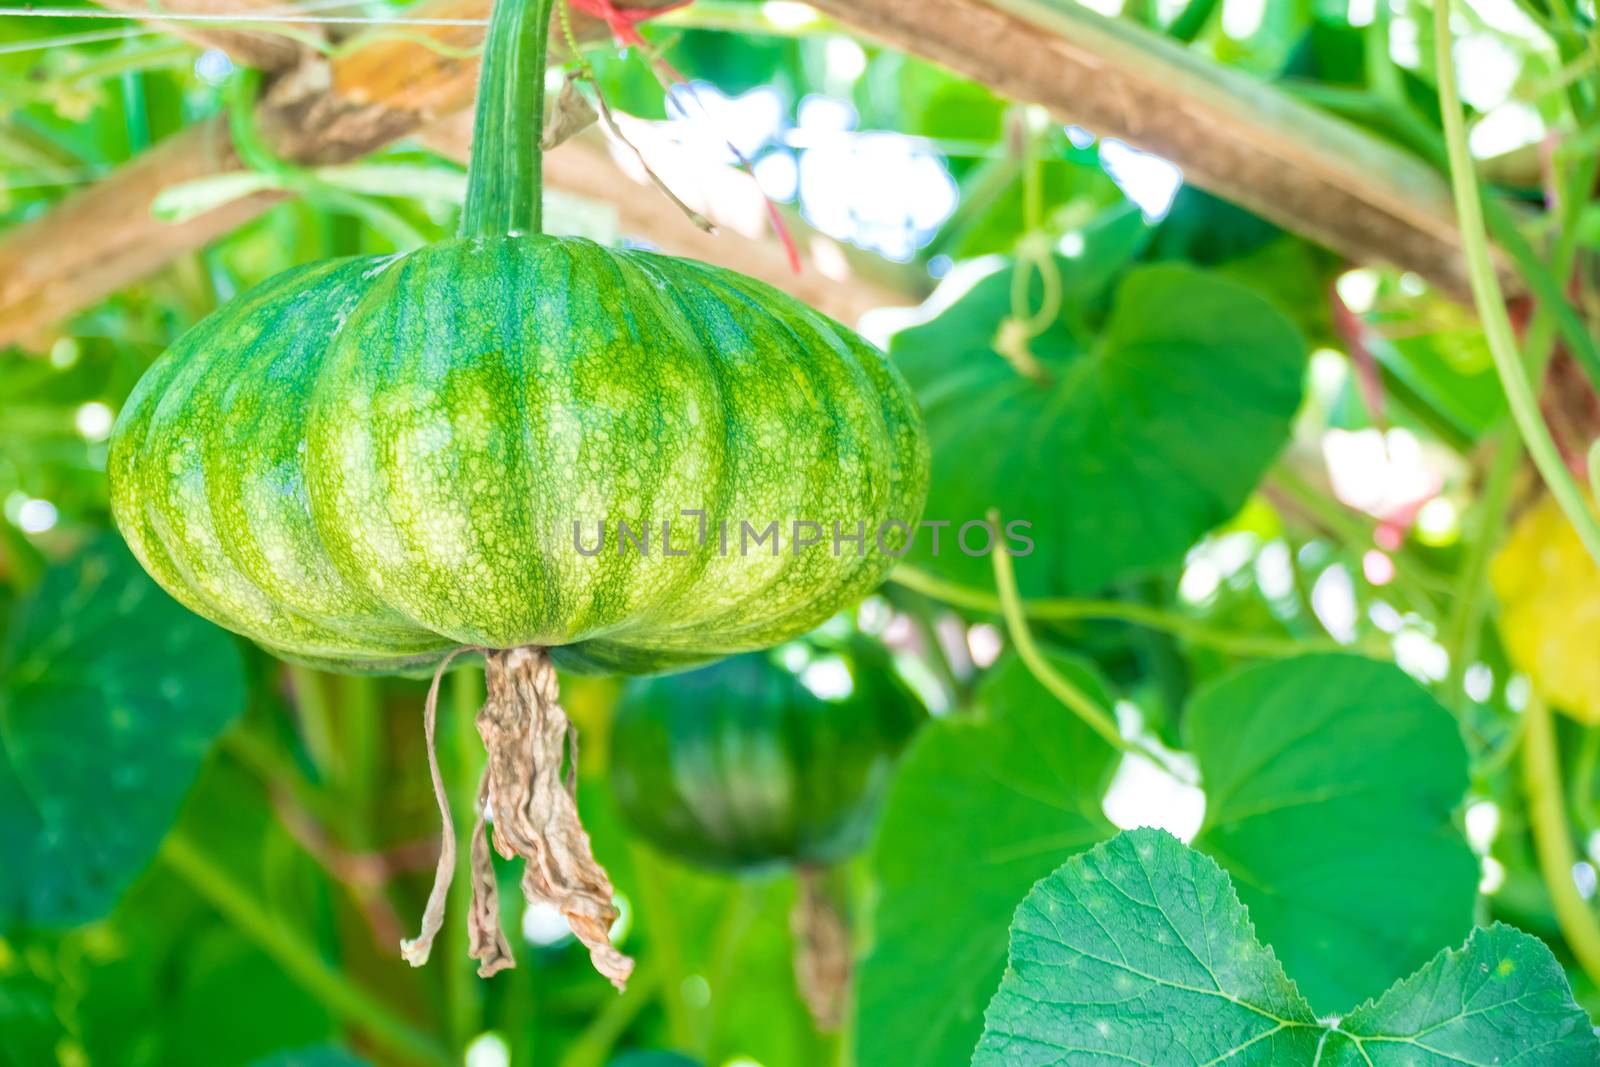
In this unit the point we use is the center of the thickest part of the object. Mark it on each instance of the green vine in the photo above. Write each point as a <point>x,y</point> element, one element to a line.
<point>1490,300</point>
<point>1464,627</point>
<point>1035,257</point>
<point>1081,704</point>
<point>1552,837</point>
<point>1061,609</point>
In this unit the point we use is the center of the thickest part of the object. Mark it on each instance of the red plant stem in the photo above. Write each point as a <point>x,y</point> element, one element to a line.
<point>623,20</point>
<point>622,23</point>
<point>671,80</point>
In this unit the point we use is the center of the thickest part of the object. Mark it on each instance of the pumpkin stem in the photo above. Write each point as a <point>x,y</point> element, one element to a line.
<point>505,179</point>
<point>535,812</point>
<point>822,947</point>
<point>535,807</point>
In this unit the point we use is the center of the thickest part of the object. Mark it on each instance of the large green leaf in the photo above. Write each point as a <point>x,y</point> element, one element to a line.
<point>1206,229</point>
<point>166,979</point>
<point>982,808</point>
<point>1500,998</point>
<point>1139,952</point>
<point>994,217</point>
<point>203,1025</point>
<point>1153,426</point>
<point>1331,781</point>
<point>111,695</point>
<point>759,62</point>
<point>928,100</point>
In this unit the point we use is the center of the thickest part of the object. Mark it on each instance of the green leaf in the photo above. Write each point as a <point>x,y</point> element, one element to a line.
<point>27,1014</point>
<point>1139,952</point>
<point>419,180</point>
<point>1205,229</point>
<point>165,979</point>
<point>111,695</point>
<point>1500,998</point>
<point>982,808</point>
<point>967,327</point>
<point>1153,427</point>
<point>629,85</point>
<point>1331,781</point>
<point>758,62</point>
<point>1294,274</point>
<point>1451,370</point>
<point>993,218</point>
<point>936,103</point>
<point>203,1023</point>
<point>1134,952</point>
<point>187,200</point>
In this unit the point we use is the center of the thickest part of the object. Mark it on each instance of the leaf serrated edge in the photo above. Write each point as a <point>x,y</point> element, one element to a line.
<point>1553,978</point>
<point>1159,838</point>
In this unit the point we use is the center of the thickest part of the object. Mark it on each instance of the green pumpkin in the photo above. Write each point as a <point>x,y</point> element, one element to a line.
<point>374,464</point>
<point>365,463</point>
<point>740,767</point>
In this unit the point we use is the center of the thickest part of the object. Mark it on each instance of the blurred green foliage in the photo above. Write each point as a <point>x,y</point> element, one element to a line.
<point>207,857</point>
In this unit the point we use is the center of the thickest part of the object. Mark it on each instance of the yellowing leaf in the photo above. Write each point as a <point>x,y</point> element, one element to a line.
<point>1549,592</point>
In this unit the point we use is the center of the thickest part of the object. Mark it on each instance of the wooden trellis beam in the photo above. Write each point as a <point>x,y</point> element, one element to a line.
<point>1231,134</point>
<point>263,49</point>
<point>316,110</point>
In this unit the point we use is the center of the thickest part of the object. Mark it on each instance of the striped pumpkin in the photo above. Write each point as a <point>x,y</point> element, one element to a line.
<point>364,463</point>
<point>740,767</point>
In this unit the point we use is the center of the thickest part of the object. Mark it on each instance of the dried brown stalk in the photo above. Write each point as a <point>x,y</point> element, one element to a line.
<point>822,958</point>
<point>535,809</point>
<point>485,939</point>
<point>571,115</point>
<point>535,817</point>
<point>416,950</point>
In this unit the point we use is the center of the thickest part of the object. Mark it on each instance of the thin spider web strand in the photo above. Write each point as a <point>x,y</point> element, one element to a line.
<point>269,17</point>
<point>129,33</point>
